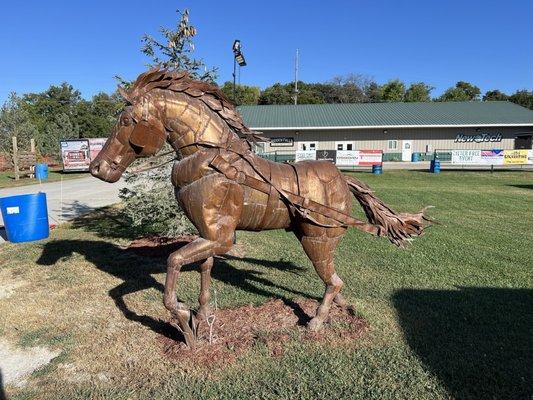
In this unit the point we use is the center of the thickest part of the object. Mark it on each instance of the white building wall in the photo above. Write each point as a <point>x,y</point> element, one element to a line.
<point>378,139</point>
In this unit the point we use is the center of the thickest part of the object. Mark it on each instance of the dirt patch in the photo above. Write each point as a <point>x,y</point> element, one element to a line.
<point>16,364</point>
<point>234,331</point>
<point>162,247</point>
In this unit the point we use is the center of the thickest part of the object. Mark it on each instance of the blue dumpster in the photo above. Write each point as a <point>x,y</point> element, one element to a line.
<point>25,217</point>
<point>377,169</point>
<point>41,171</point>
<point>415,157</point>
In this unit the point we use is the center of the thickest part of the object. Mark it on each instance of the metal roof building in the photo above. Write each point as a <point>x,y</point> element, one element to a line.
<point>399,128</point>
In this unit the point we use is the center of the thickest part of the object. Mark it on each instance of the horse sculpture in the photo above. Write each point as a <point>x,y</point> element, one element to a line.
<point>222,186</point>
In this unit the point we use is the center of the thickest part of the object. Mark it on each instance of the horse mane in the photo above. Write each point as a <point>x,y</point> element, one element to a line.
<point>180,81</point>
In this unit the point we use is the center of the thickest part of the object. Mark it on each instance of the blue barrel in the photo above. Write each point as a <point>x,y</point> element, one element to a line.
<point>41,171</point>
<point>415,157</point>
<point>377,169</point>
<point>436,166</point>
<point>25,217</point>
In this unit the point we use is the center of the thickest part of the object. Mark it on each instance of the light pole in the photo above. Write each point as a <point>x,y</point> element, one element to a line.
<point>238,58</point>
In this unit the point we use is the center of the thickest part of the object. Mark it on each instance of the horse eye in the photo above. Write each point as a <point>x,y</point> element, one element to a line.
<point>126,121</point>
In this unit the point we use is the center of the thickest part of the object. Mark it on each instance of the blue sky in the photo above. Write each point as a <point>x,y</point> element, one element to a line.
<point>86,43</point>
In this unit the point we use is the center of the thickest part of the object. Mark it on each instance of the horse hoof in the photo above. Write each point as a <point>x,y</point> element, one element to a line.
<point>203,314</point>
<point>315,325</point>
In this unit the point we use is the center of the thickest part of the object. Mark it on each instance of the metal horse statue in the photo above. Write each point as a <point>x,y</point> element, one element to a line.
<point>222,186</point>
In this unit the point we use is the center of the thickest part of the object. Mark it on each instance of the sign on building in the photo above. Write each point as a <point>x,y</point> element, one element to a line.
<point>370,157</point>
<point>347,158</point>
<point>327,155</point>
<point>515,157</point>
<point>302,155</point>
<point>281,142</point>
<point>466,156</point>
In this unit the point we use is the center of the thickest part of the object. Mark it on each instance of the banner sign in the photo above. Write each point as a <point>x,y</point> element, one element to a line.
<point>370,157</point>
<point>492,157</point>
<point>281,142</point>
<point>515,157</point>
<point>75,154</point>
<point>347,158</point>
<point>530,156</point>
<point>327,155</point>
<point>466,157</point>
<point>95,145</point>
<point>343,158</point>
<point>302,155</point>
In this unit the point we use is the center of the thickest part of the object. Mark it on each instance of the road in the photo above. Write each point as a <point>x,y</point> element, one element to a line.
<point>71,198</point>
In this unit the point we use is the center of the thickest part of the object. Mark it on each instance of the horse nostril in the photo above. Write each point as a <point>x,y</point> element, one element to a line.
<point>95,168</point>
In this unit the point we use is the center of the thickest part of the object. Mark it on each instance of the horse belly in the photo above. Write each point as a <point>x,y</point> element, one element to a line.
<point>262,211</point>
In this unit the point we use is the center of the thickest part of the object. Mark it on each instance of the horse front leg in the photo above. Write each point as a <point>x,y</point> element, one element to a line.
<point>214,204</point>
<point>199,249</point>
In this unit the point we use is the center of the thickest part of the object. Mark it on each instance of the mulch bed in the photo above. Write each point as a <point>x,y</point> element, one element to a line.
<point>230,333</point>
<point>233,332</point>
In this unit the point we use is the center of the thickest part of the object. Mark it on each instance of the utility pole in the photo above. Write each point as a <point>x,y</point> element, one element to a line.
<point>296,78</point>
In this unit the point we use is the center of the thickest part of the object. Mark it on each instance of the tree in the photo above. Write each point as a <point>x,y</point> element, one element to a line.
<point>61,127</point>
<point>418,92</point>
<point>245,95</point>
<point>523,98</point>
<point>96,118</point>
<point>463,91</point>
<point>15,121</point>
<point>176,49</point>
<point>149,198</point>
<point>373,93</point>
<point>393,91</point>
<point>495,95</point>
<point>277,94</point>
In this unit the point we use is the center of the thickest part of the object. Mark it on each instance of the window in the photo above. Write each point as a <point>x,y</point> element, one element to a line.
<point>305,146</point>
<point>345,145</point>
<point>393,145</point>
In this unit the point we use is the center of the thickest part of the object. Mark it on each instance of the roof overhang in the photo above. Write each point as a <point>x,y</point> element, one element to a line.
<point>317,128</point>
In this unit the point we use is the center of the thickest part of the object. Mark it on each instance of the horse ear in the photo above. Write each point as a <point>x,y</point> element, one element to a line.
<point>148,138</point>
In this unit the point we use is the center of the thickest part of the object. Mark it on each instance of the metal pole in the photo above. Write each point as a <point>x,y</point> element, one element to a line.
<point>296,78</point>
<point>234,74</point>
<point>15,158</point>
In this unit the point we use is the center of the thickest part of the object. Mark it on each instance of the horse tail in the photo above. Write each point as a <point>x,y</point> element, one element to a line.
<point>399,228</point>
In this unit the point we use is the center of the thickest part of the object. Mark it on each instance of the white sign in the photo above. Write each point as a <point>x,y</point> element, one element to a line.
<point>302,155</point>
<point>347,158</point>
<point>530,156</point>
<point>13,210</point>
<point>466,157</point>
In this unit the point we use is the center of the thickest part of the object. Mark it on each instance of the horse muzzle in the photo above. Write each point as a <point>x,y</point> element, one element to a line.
<point>101,169</point>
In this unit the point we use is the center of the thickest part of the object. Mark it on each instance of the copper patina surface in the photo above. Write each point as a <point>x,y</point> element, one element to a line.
<point>223,186</point>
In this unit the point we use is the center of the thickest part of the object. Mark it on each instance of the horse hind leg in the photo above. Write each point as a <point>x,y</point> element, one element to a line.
<point>320,251</point>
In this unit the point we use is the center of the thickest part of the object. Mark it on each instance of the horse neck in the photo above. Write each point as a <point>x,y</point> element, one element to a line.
<point>193,123</point>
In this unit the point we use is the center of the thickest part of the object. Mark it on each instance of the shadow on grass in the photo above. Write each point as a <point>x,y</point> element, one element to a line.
<point>136,274</point>
<point>477,341</point>
<point>523,186</point>
<point>2,393</point>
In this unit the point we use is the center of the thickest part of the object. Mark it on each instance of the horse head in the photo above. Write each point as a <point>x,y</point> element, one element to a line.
<point>138,132</point>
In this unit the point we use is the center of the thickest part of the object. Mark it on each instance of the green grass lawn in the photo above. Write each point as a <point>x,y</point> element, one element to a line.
<point>450,317</point>
<point>7,178</point>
